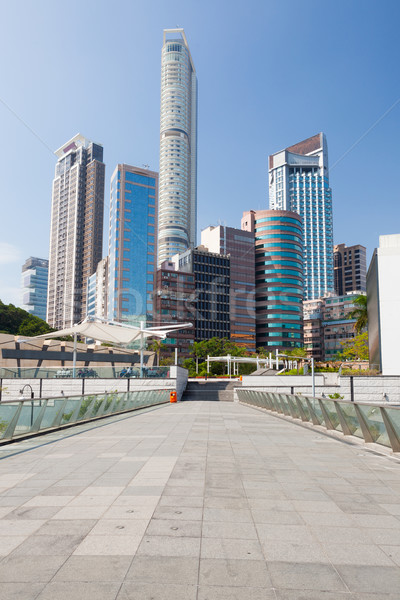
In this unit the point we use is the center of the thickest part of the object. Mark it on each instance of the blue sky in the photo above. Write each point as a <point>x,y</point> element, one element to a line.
<point>270,73</point>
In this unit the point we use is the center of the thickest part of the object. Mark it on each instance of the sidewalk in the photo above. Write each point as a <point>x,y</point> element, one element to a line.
<point>199,500</point>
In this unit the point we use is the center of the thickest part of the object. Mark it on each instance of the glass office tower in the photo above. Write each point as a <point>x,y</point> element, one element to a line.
<point>299,182</point>
<point>35,272</point>
<point>132,244</point>
<point>178,147</point>
<point>279,277</point>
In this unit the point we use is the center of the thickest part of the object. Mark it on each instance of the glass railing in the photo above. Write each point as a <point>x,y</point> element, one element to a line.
<point>84,372</point>
<point>370,422</point>
<point>24,417</point>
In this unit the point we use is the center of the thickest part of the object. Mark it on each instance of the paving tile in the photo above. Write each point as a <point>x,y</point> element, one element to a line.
<point>207,592</point>
<point>48,545</point>
<point>169,546</point>
<point>153,591</point>
<point>234,573</point>
<point>48,501</point>
<point>174,528</point>
<point>305,576</point>
<point>21,527</point>
<point>361,554</point>
<point>164,569</point>
<point>231,549</point>
<point>8,543</point>
<point>135,527</point>
<point>79,591</point>
<point>66,527</point>
<point>20,591</point>
<point>99,545</point>
<point>280,517</point>
<point>283,551</point>
<point>229,515</point>
<point>178,513</point>
<point>19,569</point>
<point>80,512</point>
<point>226,530</point>
<point>371,579</point>
<point>268,533</point>
<point>187,501</point>
<point>94,568</point>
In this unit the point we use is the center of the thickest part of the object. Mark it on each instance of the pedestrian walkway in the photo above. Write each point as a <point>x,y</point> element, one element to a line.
<point>199,500</point>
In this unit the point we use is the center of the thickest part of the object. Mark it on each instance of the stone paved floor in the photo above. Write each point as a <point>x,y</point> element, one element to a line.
<point>205,501</point>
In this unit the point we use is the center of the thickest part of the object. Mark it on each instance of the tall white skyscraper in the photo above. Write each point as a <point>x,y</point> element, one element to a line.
<point>299,182</point>
<point>178,147</point>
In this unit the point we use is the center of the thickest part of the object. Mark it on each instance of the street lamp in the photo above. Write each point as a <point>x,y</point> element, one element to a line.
<point>22,397</point>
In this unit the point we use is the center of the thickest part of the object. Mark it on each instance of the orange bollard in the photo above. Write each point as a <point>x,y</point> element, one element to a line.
<point>172,396</point>
<point>240,378</point>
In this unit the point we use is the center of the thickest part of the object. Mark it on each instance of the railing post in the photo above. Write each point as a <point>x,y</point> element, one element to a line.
<point>393,437</point>
<point>9,432</point>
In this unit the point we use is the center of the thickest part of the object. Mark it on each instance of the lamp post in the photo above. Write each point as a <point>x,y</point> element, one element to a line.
<point>21,391</point>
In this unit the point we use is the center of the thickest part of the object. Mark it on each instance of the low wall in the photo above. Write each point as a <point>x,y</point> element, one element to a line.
<point>45,388</point>
<point>365,389</point>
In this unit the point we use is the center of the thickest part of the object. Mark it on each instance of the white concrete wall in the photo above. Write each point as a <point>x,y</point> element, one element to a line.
<point>181,377</point>
<point>389,302</point>
<point>366,389</point>
<point>70,387</point>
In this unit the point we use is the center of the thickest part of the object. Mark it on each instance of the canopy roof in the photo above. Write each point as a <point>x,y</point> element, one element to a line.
<point>110,331</point>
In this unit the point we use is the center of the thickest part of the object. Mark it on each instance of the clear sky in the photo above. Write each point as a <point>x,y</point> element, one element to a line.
<point>270,73</point>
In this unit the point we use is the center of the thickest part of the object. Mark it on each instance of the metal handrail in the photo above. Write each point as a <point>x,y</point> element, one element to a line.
<point>46,414</point>
<point>373,422</point>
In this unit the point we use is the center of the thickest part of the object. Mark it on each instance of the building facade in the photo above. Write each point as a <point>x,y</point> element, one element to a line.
<point>299,182</point>
<point>174,303</point>
<point>337,327</point>
<point>76,231</point>
<point>178,147</point>
<point>350,268</point>
<point>313,332</point>
<point>132,244</point>
<point>279,277</point>
<point>212,280</point>
<point>239,246</point>
<point>97,295</point>
<point>35,273</point>
<point>383,293</point>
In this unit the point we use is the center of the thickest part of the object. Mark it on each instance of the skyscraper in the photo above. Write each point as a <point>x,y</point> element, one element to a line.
<point>279,277</point>
<point>299,182</point>
<point>178,147</point>
<point>350,268</point>
<point>132,244</point>
<point>35,273</point>
<point>239,245</point>
<point>76,230</point>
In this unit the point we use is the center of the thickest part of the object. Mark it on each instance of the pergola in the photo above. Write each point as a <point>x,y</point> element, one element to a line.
<point>113,332</point>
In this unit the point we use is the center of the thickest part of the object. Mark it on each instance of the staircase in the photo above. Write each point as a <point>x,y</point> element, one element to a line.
<point>210,391</point>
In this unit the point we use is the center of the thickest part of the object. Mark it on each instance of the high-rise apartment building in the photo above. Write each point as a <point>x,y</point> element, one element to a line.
<point>76,231</point>
<point>97,294</point>
<point>350,268</point>
<point>132,244</point>
<point>279,277</point>
<point>35,273</point>
<point>299,182</point>
<point>175,303</point>
<point>212,280</point>
<point>239,245</point>
<point>178,147</point>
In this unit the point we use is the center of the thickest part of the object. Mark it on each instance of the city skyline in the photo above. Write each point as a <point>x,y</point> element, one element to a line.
<point>239,124</point>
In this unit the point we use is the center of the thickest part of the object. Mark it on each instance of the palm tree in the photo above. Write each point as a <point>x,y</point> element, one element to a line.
<point>359,313</point>
<point>156,346</point>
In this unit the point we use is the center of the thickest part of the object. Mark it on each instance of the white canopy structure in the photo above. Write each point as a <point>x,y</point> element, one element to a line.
<point>116,333</point>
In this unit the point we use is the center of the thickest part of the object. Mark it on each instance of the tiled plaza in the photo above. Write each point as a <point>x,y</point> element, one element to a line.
<point>199,500</point>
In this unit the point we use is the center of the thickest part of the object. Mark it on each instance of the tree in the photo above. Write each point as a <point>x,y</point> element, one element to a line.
<point>16,321</point>
<point>355,348</point>
<point>156,346</point>
<point>359,313</point>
